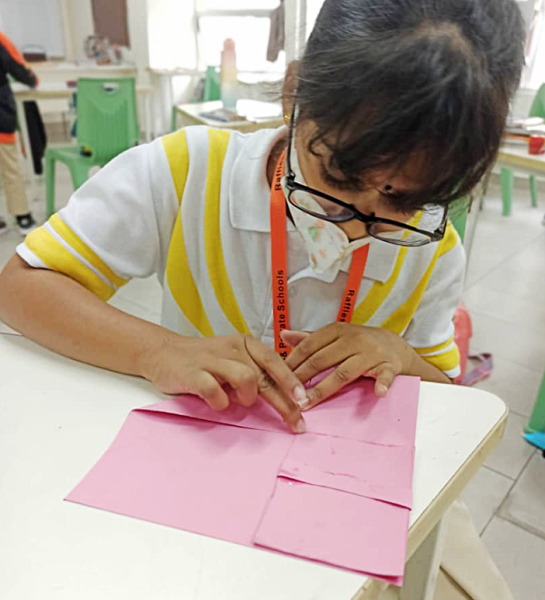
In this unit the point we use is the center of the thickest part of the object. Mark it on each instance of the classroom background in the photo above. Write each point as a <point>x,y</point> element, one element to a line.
<point>171,52</point>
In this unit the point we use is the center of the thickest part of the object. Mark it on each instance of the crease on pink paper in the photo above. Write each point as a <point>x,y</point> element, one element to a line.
<point>335,527</point>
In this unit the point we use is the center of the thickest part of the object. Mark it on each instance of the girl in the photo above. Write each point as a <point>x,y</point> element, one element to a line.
<point>395,111</point>
<point>12,64</point>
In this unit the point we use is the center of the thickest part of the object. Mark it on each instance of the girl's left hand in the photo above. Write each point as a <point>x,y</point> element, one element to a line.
<point>354,351</point>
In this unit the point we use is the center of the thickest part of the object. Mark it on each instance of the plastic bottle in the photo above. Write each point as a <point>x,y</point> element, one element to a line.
<point>229,75</point>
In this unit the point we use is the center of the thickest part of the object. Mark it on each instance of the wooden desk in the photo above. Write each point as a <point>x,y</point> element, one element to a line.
<point>260,115</point>
<point>58,416</point>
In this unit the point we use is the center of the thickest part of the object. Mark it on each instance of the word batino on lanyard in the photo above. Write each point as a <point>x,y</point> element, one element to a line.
<point>279,262</point>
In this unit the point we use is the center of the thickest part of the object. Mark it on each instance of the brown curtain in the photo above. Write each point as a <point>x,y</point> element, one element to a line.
<point>110,18</point>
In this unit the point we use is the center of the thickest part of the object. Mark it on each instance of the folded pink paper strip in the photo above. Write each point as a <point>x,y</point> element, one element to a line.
<point>372,544</point>
<point>240,476</point>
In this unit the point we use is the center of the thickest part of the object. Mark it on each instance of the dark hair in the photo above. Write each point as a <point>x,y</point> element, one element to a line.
<point>385,81</point>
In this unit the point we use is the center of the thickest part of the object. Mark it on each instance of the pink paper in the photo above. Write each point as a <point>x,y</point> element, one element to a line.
<point>379,472</point>
<point>355,413</point>
<point>192,475</point>
<point>327,525</point>
<point>180,464</point>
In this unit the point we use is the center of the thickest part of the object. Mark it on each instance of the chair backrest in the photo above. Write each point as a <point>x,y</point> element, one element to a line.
<point>107,119</point>
<point>538,105</point>
<point>458,216</point>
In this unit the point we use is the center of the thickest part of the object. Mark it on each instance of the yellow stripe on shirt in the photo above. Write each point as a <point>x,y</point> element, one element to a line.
<point>446,361</point>
<point>58,258</point>
<point>399,320</point>
<point>434,349</point>
<point>381,290</point>
<point>180,280</point>
<point>378,293</point>
<point>83,250</point>
<point>175,145</point>
<point>217,271</point>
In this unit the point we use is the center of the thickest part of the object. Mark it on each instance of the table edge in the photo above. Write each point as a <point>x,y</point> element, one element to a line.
<point>420,529</point>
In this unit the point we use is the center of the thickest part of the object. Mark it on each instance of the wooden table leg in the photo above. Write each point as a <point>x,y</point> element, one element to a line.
<point>423,568</point>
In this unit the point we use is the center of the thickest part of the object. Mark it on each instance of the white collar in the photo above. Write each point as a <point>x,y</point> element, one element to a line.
<point>249,196</point>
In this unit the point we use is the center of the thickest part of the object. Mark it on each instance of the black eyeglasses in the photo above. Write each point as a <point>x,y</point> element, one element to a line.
<point>337,211</point>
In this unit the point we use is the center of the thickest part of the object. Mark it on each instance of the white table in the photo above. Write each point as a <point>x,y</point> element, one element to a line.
<point>58,416</point>
<point>55,71</point>
<point>517,157</point>
<point>259,115</point>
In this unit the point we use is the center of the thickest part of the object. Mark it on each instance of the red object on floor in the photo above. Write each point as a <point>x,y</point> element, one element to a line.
<point>462,335</point>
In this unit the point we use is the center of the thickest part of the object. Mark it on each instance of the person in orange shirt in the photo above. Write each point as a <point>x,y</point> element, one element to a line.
<point>12,63</point>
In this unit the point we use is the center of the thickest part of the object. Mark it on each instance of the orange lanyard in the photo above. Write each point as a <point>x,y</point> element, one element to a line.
<point>279,262</point>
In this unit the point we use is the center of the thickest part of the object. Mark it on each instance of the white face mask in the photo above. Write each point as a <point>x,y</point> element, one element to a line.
<point>327,244</point>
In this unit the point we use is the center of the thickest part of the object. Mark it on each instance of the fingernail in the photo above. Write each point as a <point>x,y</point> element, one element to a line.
<point>381,390</point>
<point>299,394</point>
<point>303,403</point>
<point>300,426</point>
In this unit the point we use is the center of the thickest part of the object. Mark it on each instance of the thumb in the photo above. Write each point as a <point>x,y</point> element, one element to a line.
<point>293,338</point>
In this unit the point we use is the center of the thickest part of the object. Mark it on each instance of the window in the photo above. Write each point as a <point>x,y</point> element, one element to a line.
<point>245,21</point>
<point>533,75</point>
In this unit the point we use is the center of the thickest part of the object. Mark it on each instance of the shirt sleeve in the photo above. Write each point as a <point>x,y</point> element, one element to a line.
<point>431,331</point>
<point>115,227</point>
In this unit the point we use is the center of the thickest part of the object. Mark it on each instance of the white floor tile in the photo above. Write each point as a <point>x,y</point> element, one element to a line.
<point>525,505</point>
<point>517,386</point>
<point>513,452</point>
<point>484,494</point>
<point>8,242</point>
<point>517,279</point>
<point>498,238</point>
<point>523,347</point>
<point>519,555</point>
<point>525,313</point>
<point>147,293</point>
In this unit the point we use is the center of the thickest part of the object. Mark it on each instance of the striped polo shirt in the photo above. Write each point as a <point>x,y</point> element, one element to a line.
<point>193,208</point>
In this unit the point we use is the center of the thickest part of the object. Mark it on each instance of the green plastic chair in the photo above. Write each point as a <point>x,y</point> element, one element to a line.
<point>507,178</point>
<point>107,126</point>
<point>212,91</point>
<point>458,216</point>
<point>535,431</point>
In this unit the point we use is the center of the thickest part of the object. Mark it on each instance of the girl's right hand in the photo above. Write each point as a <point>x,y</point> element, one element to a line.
<point>205,367</point>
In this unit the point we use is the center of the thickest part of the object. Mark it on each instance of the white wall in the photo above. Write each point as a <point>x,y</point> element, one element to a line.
<point>80,22</point>
<point>171,34</point>
<point>34,22</point>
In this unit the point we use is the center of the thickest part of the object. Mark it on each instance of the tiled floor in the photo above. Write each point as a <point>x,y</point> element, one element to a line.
<point>505,294</point>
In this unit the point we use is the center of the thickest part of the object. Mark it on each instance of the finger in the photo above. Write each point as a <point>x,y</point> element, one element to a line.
<point>384,375</point>
<point>240,377</point>
<point>311,344</point>
<point>289,410</point>
<point>323,359</point>
<point>269,362</point>
<point>293,338</point>
<point>345,373</point>
<point>278,385</point>
<point>209,389</point>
